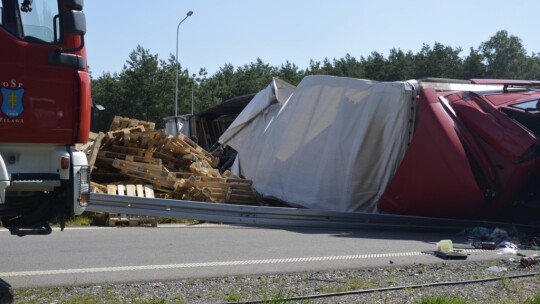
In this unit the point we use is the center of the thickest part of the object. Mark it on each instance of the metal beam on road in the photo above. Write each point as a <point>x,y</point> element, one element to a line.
<point>278,216</point>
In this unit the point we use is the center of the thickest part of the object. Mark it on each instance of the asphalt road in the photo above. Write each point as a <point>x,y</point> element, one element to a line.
<point>79,256</point>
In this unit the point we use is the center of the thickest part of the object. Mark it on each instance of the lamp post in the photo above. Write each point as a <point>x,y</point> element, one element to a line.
<point>177,64</point>
<point>192,87</point>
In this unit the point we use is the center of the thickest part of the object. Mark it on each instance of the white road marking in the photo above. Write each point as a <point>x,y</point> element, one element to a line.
<point>211,264</point>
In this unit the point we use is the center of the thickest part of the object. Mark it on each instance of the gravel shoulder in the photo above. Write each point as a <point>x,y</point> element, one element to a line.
<point>279,286</point>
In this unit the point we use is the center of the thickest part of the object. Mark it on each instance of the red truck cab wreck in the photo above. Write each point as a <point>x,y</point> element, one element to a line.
<point>447,148</point>
<point>475,153</point>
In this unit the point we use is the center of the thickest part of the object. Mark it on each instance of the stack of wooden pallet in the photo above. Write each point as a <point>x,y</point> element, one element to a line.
<point>113,219</point>
<point>132,153</point>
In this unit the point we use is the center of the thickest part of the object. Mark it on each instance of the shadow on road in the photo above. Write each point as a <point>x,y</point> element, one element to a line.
<point>383,234</point>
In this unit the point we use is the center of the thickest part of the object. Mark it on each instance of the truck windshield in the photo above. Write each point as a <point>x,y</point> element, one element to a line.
<point>31,20</point>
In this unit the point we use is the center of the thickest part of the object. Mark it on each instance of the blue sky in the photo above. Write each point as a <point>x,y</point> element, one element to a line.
<point>240,31</point>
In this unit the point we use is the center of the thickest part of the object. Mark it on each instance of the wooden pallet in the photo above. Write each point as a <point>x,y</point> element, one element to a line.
<point>138,190</point>
<point>93,153</point>
<point>108,157</point>
<point>186,189</point>
<point>133,152</point>
<point>118,135</point>
<point>131,190</point>
<point>182,145</point>
<point>228,190</point>
<point>120,122</point>
<point>202,168</point>
<point>157,175</point>
<point>151,140</point>
<point>203,132</point>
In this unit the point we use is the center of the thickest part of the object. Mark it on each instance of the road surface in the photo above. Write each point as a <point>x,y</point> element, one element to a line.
<point>100,255</point>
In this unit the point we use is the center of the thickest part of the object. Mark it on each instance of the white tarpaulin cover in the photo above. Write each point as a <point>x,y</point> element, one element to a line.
<point>331,143</point>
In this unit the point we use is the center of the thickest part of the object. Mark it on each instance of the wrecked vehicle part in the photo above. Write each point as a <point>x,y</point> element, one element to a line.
<point>434,178</point>
<point>502,152</point>
<point>333,144</point>
<point>474,152</point>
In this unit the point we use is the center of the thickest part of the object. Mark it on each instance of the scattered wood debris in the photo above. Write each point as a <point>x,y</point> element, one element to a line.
<point>132,154</point>
<point>113,219</point>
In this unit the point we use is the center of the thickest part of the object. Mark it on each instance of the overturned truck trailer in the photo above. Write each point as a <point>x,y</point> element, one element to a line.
<point>432,147</point>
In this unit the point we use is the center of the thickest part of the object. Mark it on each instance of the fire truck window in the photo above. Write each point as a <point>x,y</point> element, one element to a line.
<point>10,17</point>
<point>39,22</point>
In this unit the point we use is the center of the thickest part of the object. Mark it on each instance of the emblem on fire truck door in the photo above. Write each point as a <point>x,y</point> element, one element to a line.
<point>12,102</point>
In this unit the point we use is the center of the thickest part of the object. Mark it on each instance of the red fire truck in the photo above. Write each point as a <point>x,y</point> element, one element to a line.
<point>44,111</point>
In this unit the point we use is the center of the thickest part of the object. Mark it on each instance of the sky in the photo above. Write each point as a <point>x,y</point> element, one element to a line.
<point>238,32</point>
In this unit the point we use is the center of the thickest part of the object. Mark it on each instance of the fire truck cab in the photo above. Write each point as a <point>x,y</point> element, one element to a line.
<point>44,112</point>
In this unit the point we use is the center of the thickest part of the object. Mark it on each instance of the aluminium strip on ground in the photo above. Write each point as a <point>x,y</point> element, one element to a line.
<point>260,218</point>
<point>278,216</point>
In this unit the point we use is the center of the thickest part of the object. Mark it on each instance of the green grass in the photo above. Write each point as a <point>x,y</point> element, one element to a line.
<point>79,220</point>
<point>353,284</point>
<point>87,220</point>
<point>276,296</point>
<point>233,296</point>
<point>167,220</point>
<point>84,299</point>
<point>30,296</point>
<point>533,300</point>
<point>442,300</point>
<point>76,221</point>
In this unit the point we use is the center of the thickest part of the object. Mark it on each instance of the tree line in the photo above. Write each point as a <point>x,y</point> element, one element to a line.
<point>145,88</point>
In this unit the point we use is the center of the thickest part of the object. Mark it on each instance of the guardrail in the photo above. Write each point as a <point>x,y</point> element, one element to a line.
<point>279,216</point>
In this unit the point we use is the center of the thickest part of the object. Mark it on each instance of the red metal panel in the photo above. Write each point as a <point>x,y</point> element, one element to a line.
<point>41,102</point>
<point>504,142</point>
<point>434,178</point>
<point>505,81</point>
<point>45,98</point>
<point>83,125</point>
<point>493,127</point>
<point>467,158</point>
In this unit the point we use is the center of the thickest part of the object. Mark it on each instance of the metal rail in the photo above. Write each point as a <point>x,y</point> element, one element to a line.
<point>278,216</point>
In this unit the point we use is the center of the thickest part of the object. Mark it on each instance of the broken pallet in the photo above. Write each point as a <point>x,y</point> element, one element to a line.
<point>138,190</point>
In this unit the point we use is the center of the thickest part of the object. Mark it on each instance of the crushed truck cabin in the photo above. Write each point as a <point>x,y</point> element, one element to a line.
<point>432,147</point>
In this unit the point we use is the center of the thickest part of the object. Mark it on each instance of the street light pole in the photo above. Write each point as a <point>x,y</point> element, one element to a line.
<point>192,87</point>
<point>177,64</point>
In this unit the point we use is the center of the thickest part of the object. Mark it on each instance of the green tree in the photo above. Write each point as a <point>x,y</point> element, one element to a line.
<point>318,68</point>
<point>473,65</point>
<point>145,88</point>
<point>105,92</point>
<point>348,66</point>
<point>439,61</point>
<point>400,65</point>
<point>253,77</point>
<point>376,66</point>
<point>223,84</point>
<point>290,73</point>
<point>505,56</point>
<point>533,67</point>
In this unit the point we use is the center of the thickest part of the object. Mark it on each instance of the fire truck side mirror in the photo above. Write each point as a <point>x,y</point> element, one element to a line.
<point>75,22</point>
<point>76,5</point>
